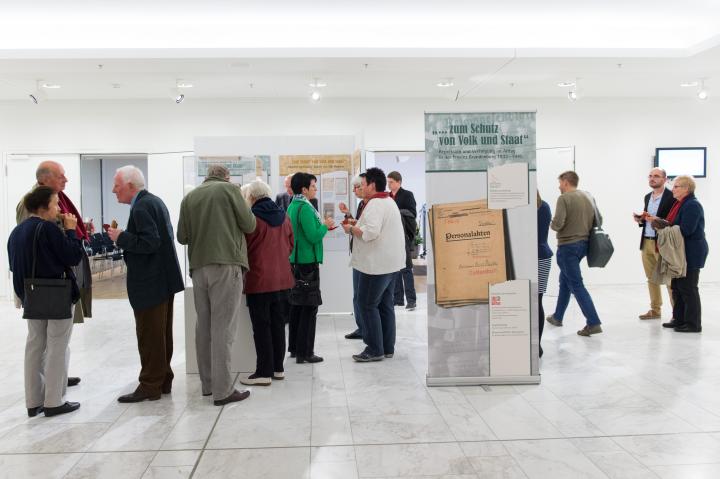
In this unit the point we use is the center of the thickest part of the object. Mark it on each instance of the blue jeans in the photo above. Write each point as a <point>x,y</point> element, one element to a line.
<point>375,301</point>
<point>405,276</point>
<point>356,308</point>
<point>568,259</point>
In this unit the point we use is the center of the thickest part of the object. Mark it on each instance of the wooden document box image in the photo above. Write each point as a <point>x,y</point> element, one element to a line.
<point>471,250</point>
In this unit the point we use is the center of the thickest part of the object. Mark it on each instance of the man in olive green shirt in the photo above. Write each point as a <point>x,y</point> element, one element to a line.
<point>573,220</point>
<point>214,218</point>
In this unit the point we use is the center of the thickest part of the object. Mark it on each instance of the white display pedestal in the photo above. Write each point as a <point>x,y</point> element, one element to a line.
<point>243,353</point>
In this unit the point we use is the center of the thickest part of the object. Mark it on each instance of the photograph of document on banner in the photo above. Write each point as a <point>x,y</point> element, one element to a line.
<point>508,186</point>
<point>470,251</point>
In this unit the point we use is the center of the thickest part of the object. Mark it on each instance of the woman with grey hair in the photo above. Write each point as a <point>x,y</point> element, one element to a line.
<point>268,282</point>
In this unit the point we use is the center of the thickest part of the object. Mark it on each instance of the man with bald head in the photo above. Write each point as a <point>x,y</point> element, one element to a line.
<point>657,205</point>
<point>52,174</point>
<point>283,200</point>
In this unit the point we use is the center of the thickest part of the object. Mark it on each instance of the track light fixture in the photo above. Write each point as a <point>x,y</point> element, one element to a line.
<point>315,95</point>
<point>572,93</point>
<point>702,93</point>
<point>37,95</point>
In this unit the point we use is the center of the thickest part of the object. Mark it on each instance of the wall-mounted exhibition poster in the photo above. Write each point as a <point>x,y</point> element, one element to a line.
<point>510,328</point>
<point>477,141</point>
<point>243,169</point>
<point>315,164</point>
<point>480,177</point>
<point>470,252</point>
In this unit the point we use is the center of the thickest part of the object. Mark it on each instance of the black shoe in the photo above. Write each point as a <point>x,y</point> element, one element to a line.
<point>34,411</point>
<point>234,397</point>
<point>389,355</point>
<point>73,381</point>
<point>366,358</point>
<point>399,304</point>
<point>411,307</point>
<point>138,396</point>
<point>65,408</point>
<point>685,328</point>
<point>311,359</point>
<point>354,335</point>
<point>541,351</point>
<point>672,324</point>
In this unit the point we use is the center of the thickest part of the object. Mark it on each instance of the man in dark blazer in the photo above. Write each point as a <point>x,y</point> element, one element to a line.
<point>657,204</point>
<point>153,278</point>
<point>404,280</point>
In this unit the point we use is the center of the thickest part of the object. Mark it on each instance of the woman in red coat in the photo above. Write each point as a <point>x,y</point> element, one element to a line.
<point>268,282</point>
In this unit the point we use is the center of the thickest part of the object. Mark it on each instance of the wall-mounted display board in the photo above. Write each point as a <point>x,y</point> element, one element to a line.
<point>482,263</point>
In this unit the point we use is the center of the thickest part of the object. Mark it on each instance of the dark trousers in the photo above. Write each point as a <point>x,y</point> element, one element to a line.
<point>686,298</point>
<point>153,327</point>
<point>375,296</point>
<point>571,282</point>
<point>405,286</point>
<point>356,307</point>
<point>301,339</point>
<point>267,314</point>
<point>541,320</point>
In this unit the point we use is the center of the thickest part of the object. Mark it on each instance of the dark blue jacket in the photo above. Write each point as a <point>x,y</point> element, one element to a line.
<point>544,217</point>
<point>691,220</point>
<point>148,243</point>
<point>57,251</point>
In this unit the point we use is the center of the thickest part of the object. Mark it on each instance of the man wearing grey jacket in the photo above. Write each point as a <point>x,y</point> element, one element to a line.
<point>214,218</point>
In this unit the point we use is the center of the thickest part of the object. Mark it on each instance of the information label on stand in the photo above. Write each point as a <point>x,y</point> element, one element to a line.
<point>510,328</point>
<point>508,186</point>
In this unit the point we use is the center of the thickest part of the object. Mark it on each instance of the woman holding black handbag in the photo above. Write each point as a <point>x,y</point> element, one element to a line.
<point>41,256</point>
<point>309,230</point>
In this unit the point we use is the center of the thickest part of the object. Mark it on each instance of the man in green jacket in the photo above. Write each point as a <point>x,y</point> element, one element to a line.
<point>214,218</point>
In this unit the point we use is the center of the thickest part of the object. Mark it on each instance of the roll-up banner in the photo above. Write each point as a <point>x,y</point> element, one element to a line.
<point>482,262</point>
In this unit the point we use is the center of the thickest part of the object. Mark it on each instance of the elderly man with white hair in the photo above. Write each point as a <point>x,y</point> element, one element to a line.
<point>268,282</point>
<point>153,278</point>
<point>214,219</point>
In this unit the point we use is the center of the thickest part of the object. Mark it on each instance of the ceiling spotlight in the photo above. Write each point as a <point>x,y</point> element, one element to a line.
<point>687,84</point>
<point>184,84</point>
<point>179,98</point>
<point>34,98</point>
<point>572,95</point>
<point>177,95</point>
<point>51,86</point>
<point>445,83</point>
<point>702,93</point>
<point>316,83</point>
<point>566,84</point>
<point>315,96</point>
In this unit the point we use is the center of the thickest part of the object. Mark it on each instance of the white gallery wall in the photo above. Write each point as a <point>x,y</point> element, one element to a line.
<point>614,142</point>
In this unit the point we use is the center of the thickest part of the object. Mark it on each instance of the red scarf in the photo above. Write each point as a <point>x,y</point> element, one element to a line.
<point>674,210</point>
<point>67,206</point>
<point>382,194</point>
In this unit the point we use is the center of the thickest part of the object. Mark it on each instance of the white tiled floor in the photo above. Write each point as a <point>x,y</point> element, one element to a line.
<point>635,402</point>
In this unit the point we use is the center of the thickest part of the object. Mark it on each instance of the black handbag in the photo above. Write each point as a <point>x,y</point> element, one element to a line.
<point>600,247</point>
<point>306,291</point>
<point>46,298</point>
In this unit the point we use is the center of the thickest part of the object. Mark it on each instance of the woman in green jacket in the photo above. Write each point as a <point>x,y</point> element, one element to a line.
<point>309,230</point>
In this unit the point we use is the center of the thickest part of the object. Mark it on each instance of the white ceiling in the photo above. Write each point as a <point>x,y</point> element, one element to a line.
<point>274,49</point>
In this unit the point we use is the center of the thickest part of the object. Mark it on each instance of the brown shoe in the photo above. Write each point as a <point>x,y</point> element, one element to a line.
<point>650,315</point>
<point>234,397</point>
<point>590,330</point>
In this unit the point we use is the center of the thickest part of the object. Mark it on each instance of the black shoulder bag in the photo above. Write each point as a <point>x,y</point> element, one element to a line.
<point>46,298</point>
<point>600,247</point>
<point>306,291</point>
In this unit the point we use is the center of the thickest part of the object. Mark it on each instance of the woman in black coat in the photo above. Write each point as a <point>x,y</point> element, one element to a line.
<point>57,250</point>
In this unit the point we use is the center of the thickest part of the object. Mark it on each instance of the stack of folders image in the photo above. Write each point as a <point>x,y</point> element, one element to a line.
<point>470,251</point>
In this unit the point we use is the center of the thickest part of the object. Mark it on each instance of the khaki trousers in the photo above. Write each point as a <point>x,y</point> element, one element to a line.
<point>650,258</point>
<point>46,360</point>
<point>217,290</point>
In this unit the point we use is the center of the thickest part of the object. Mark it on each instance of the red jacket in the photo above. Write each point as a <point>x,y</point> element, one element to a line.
<point>269,249</point>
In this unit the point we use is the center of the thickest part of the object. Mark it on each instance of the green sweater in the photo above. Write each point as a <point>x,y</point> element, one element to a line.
<point>574,217</point>
<point>214,218</point>
<point>308,231</point>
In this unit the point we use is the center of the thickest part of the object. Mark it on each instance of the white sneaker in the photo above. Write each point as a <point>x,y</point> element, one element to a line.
<point>255,380</point>
<point>278,375</point>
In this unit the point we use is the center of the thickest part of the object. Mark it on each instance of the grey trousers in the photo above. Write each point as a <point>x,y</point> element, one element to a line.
<point>46,361</point>
<point>217,289</point>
